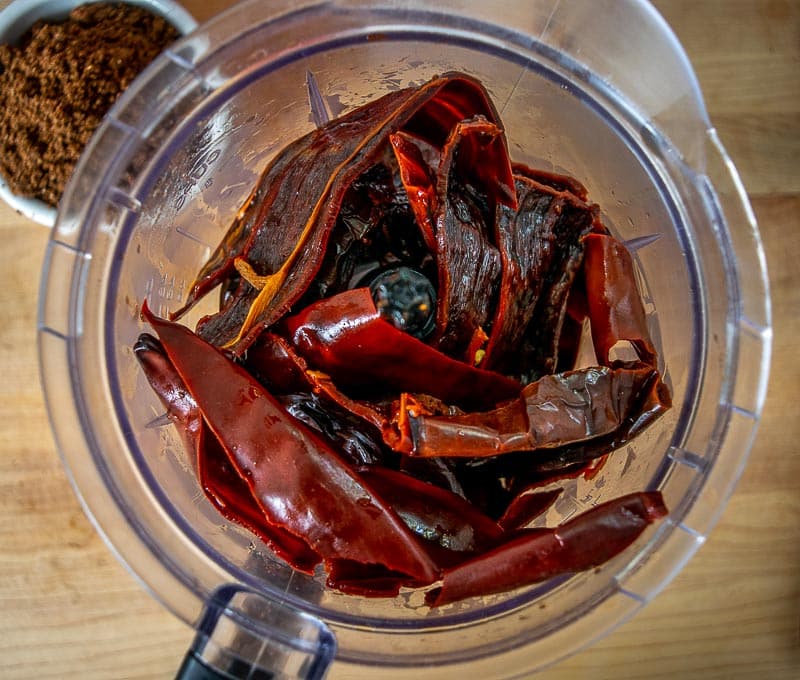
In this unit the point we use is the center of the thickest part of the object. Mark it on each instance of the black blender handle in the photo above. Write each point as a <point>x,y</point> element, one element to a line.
<point>245,635</point>
<point>194,668</point>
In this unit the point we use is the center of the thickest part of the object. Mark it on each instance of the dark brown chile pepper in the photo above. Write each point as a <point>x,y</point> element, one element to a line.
<point>462,226</point>
<point>541,245</point>
<point>389,386</point>
<point>279,237</point>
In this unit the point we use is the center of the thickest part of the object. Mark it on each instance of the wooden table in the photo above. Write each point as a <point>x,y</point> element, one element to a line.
<point>69,610</point>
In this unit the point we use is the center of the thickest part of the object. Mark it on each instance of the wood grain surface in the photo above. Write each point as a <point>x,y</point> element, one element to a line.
<point>69,610</point>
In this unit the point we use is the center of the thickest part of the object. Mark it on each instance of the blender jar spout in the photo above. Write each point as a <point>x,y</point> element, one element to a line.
<point>245,634</point>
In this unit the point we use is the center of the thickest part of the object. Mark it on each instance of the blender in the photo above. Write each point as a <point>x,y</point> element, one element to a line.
<point>601,91</point>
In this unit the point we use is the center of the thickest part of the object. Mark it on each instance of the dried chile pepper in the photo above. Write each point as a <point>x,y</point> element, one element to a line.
<point>295,477</point>
<point>542,245</point>
<point>553,411</point>
<point>346,337</point>
<point>181,407</point>
<point>298,198</point>
<point>462,221</point>
<point>654,400</point>
<point>586,541</point>
<point>222,485</point>
<point>230,495</point>
<point>614,305</point>
<point>389,384</point>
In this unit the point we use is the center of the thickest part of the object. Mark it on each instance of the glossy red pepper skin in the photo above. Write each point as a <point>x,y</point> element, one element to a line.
<point>222,485</point>
<point>347,338</point>
<point>231,496</point>
<point>554,411</point>
<point>614,304</point>
<point>295,477</point>
<point>323,424</point>
<point>284,227</point>
<point>587,541</point>
<point>166,383</point>
<point>435,514</point>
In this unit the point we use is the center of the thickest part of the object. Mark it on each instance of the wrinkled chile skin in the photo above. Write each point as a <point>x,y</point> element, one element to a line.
<point>346,337</point>
<point>518,258</point>
<point>295,477</point>
<point>222,485</point>
<point>301,191</point>
<point>587,541</point>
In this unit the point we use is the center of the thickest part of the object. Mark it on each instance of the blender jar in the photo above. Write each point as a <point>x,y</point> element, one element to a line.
<point>599,90</point>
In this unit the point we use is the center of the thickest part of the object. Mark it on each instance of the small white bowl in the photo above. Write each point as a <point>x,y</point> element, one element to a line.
<point>18,17</point>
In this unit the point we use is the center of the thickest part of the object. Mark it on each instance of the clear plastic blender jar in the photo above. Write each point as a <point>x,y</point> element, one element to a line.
<point>598,90</point>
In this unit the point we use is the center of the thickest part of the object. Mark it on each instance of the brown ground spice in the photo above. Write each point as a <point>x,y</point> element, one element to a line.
<point>59,82</point>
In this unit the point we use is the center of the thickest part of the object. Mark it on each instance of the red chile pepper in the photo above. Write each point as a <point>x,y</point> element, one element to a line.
<point>298,198</point>
<point>230,495</point>
<point>434,514</point>
<point>614,304</point>
<point>553,411</point>
<point>527,506</point>
<point>222,485</point>
<point>295,477</point>
<point>587,541</point>
<point>181,407</point>
<point>273,361</point>
<point>322,427</point>
<point>347,338</point>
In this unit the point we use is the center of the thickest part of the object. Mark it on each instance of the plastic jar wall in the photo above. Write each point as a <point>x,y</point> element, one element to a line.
<point>616,106</point>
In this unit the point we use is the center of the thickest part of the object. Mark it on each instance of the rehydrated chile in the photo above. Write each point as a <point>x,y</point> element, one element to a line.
<point>389,386</point>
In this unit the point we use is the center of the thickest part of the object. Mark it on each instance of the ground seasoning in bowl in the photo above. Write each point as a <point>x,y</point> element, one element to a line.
<point>59,81</point>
